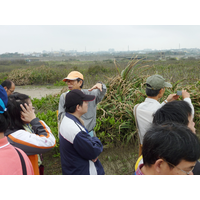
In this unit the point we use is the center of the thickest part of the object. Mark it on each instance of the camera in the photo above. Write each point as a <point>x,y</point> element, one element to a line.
<point>179,93</point>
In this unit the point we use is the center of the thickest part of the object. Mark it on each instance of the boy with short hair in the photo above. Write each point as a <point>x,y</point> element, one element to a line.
<point>166,150</point>
<point>79,151</point>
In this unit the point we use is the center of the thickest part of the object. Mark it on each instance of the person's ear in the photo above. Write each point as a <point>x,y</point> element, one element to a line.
<point>159,166</point>
<point>22,118</point>
<point>161,91</point>
<point>6,89</point>
<point>80,82</point>
<point>78,107</point>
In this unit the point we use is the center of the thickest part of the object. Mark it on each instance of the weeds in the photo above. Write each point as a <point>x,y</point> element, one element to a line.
<point>115,120</point>
<point>50,118</point>
<point>59,83</point>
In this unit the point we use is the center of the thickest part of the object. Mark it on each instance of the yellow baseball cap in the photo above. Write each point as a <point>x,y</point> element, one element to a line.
<point>73,76</point>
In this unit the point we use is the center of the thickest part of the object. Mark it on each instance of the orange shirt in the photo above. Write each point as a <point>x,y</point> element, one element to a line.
<point>34,161</point>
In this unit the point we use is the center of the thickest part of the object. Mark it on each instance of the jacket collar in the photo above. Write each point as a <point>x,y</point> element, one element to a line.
<point>74,118</point>
<point>151,100</point>
<point>3,142</point>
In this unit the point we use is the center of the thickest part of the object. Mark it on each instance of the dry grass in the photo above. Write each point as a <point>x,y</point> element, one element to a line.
<point>115,123</point>
<point>115,161</point>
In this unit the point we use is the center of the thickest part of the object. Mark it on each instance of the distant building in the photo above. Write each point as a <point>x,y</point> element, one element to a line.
<point>36,54</point>
<point>111,50</point>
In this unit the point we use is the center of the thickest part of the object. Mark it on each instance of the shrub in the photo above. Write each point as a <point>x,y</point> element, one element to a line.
<point>59,83</point>
<point>115,123</point>
<point>46,110</point>
<point>93,70</point>
<point>50,118</point>
<point>38,75</point>
<point>115,120</point>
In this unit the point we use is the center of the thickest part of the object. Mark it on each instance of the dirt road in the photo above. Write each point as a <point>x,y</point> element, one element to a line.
<point>38,91</point>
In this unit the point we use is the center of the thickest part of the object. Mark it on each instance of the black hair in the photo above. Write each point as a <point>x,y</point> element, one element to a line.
<point>4,121</point>
<point>172,142</point>
<point>79,79</point>
<point>14,109</point>
<point>72,109</point>
<point>150,92</point>
<point>7,83</point>
<point>175,111</point>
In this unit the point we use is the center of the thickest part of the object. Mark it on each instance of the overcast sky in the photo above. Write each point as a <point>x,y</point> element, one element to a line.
<point>97,26</point>
<point>36,38</point>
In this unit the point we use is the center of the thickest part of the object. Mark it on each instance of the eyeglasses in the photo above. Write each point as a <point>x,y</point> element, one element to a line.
<point>187,173</point>
<point>11,90</point>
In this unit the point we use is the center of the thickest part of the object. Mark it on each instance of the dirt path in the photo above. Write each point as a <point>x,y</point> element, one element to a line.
<point>38,91</point>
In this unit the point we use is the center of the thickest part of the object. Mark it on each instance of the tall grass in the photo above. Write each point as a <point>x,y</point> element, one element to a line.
<point>54,72</point>
<point>125,83</point>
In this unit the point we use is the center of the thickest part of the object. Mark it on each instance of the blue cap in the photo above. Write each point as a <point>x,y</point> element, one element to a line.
<point>3,99</point>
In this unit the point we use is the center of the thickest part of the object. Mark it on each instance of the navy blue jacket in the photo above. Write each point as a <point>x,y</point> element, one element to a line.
<point>78,148</point>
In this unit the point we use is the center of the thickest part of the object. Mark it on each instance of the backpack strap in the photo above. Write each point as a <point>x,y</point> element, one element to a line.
<point>137,127</point>
<point>22,162</point>
<point>136,123</point>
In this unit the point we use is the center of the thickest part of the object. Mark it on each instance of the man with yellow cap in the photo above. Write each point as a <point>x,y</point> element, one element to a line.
<point>75,80</point>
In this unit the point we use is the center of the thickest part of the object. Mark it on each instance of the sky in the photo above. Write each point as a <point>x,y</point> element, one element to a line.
<point>36,38</point>
<point>89,26</point>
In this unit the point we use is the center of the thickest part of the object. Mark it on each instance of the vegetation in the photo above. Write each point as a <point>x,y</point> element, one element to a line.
<point>115,121</point>
<point>52,72</point>
<point>125,88</point>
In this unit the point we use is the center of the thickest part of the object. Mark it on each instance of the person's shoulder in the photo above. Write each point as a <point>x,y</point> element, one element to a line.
<point>15,132</point>
<point>69,125</point>
<point>140,104</point>
<point>136,105</point>
<point>69,129</point>
<point>22,152</point>
<point>64,93</point>
<point>18,136</point>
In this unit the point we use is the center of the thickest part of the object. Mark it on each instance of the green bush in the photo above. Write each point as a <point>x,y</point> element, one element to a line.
<point>59,83</point>
<point>3,79</point>
<point>93,70</point>
<point>115,120</point>
<point>39,75</point>
<point>50,102</point>
<point>46,110</point>
<point>50,118</point>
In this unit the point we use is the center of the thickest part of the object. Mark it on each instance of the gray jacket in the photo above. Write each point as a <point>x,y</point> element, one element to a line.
<point>89,118</point>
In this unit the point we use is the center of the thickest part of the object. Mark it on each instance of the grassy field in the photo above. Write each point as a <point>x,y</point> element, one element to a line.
<point>124,91</point>
<point>115,161</point>
<point>53,71</point>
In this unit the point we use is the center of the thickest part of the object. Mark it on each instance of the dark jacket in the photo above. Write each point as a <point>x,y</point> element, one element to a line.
<point>78,148</point>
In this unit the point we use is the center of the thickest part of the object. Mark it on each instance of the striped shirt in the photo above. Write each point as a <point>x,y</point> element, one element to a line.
<point>138,171</point>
